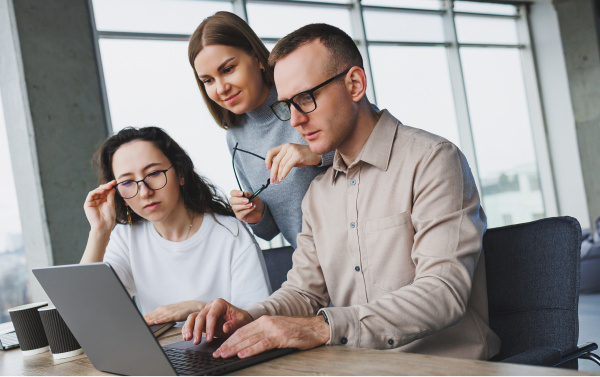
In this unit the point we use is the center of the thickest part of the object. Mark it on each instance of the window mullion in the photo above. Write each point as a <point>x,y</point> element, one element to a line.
<point>459,92</point>
<point>239,8</point>
<point>536,116</point>
<point>360,36</point>
<point>100,69</point>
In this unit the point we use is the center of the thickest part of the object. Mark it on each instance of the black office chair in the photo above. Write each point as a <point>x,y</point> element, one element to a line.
<point>533,292</point>
<point>279,262</point>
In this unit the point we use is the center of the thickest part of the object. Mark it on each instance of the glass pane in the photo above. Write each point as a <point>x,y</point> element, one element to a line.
<point>416,4</point>
<point>14,288</point>
<point>477,7</point>
<point>328,1</point>
<point>502,135</point>
<point>276,21</point>
<point>407,27</point>
<point>152,83</point>
<point>154,16</point>
<point>413,83</point>
<point>471,29</point>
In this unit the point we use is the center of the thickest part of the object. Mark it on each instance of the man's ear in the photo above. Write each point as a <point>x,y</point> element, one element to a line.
<point>356,83</point>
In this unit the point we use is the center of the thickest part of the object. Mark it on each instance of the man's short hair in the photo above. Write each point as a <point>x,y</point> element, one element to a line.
<point>343,52</point>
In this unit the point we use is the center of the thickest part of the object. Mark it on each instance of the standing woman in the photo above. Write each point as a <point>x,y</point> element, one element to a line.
<point>231,69</point>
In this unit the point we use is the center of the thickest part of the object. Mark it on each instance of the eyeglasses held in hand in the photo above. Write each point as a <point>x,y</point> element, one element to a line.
<point>303,101</point>
<point>154,181</point>
<point>235,149</point>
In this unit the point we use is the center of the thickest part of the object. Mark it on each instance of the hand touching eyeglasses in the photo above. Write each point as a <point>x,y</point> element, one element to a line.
<point>99,209</point>
<point>280,160</point>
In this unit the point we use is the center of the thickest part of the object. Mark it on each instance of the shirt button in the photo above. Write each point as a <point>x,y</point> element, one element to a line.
<point>353,182</point>
<point>344,340</point>
<point>390,342</point>
<point>357,268</point>
<point>352,225</point>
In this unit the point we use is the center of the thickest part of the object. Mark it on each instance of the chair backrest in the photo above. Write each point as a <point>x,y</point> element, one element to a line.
<point>279,262</point>
<point>533,284</point>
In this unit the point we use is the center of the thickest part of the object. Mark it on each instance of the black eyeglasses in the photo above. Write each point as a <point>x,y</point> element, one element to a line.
<point>154,181</point>
<point>235,149</point>
<point>303,101</point>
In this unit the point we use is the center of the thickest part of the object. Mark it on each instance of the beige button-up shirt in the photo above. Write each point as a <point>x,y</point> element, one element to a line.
<point>394,241</point>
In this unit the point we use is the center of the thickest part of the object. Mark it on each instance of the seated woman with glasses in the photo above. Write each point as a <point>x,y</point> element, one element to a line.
<point>236,82</point>
<point>176,244</point>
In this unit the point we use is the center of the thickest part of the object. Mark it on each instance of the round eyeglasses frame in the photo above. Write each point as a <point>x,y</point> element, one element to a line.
<point>255,194</point>
<point>137,183</point>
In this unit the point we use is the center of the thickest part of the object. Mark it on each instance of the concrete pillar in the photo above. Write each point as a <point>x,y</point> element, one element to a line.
<point>55,119</point>
<point>558,112</point>
<point>578,20</point>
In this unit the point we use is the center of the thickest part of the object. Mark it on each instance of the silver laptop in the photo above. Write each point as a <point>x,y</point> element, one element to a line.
<point>106,322</point>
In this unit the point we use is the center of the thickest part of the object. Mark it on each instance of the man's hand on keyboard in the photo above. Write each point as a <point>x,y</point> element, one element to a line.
<point>270,332</point>
<point>218,318</point>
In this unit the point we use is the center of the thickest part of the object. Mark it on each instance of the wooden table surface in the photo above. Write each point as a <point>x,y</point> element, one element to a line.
<point>336,360</point>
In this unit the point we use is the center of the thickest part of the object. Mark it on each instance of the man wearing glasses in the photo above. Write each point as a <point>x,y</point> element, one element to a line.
<point>391,233</point>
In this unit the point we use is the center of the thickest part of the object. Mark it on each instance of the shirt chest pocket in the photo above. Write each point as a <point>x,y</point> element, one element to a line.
<point>389,242</point>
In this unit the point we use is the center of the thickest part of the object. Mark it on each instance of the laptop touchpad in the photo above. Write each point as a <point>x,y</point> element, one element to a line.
<point>204,346</point>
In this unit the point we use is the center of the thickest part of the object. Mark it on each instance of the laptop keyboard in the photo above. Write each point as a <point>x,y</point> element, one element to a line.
<point>9,341</point>
<point>188,362</point>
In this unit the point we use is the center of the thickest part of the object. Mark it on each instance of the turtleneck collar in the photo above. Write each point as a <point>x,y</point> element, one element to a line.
<point>263,114</point>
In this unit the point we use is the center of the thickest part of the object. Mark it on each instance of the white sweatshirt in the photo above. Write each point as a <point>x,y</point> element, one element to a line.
<point>218,261</point>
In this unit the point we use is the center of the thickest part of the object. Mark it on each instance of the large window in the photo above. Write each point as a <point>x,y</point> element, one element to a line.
<point>14,289</point>
<point>454,68</point>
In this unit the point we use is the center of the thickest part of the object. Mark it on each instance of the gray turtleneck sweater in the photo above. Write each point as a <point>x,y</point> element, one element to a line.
<point>258,131</point>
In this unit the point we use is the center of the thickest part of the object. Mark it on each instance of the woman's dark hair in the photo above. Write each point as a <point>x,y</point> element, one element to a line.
<point>227,29</point>
<point>198,194</point>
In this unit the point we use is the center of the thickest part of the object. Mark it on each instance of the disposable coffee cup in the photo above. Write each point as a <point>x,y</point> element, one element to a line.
<point>29,328</point>
<point>62,342</point>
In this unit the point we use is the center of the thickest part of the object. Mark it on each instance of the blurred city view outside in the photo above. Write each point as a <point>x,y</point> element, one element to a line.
<point>512,197</point>
<point>13,274</point>
<point>13,267</point>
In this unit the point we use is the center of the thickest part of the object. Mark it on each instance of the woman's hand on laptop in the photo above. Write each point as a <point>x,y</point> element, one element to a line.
<point>174,312</point>
<point>218,318</point>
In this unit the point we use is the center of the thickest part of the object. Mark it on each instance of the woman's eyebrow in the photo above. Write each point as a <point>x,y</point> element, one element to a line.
<point>220,67</point>
<point>151,165</point>
<point>225,63</point>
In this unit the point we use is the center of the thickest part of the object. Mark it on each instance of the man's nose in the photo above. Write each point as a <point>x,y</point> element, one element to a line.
<point>297,117</point>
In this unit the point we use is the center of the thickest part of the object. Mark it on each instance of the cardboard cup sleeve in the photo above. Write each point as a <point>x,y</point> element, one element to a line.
<point>29,328</point>
<point>62,342</point>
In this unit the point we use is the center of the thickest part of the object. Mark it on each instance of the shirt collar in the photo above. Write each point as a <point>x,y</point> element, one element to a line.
<point>378,148</point>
